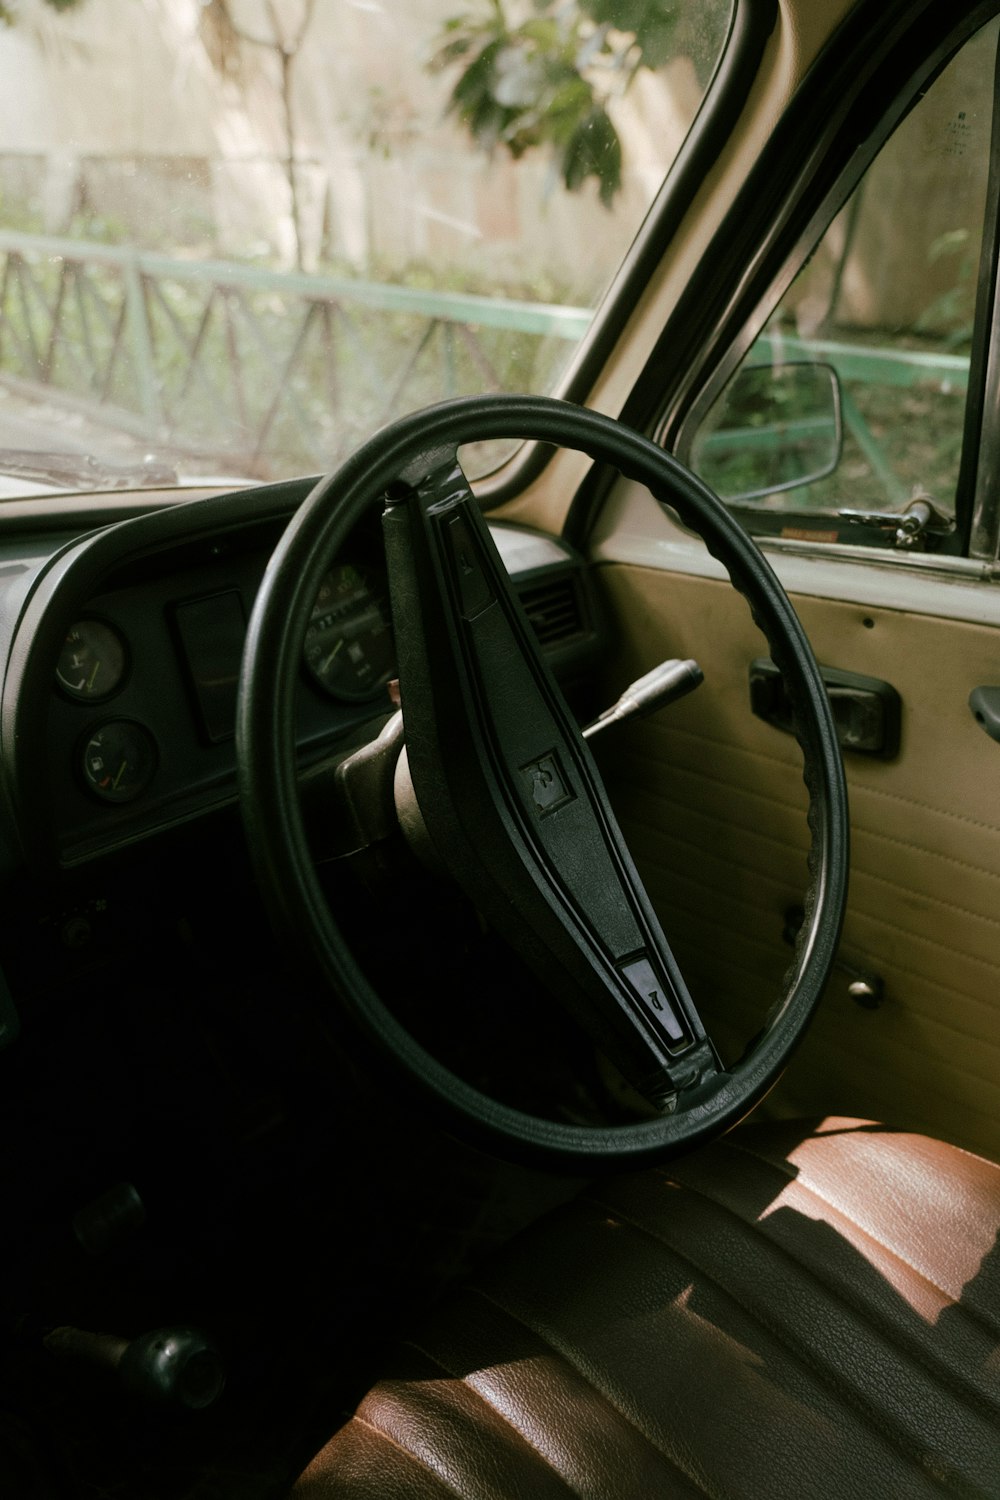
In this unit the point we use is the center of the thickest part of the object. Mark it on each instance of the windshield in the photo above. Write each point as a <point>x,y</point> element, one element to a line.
<point>237,236</point>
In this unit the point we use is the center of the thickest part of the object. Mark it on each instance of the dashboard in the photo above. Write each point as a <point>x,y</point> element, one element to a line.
<point>123,653</point>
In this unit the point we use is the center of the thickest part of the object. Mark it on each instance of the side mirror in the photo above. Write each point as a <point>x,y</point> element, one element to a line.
<point>774,427</point>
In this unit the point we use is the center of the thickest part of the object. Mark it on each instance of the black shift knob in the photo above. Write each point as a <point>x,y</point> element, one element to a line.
<point>169,1366</point>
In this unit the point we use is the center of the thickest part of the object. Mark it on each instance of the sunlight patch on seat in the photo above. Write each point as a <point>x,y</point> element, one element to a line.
<point>891,1224</point>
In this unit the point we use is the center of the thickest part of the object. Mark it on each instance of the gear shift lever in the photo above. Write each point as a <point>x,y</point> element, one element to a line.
<point>179,1367</point>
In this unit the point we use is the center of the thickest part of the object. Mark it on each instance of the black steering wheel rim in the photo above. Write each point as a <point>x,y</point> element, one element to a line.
<point>276,831</point>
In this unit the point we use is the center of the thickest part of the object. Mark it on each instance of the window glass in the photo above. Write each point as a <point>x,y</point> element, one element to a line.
<point>853,396</point>
<point>242,234</point>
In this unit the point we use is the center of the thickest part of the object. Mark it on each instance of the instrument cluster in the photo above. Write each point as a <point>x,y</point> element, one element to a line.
<point>347,653</point>
<point>125,650</point>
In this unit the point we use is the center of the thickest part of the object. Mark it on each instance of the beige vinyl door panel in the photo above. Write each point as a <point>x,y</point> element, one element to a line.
<point>713,805</point>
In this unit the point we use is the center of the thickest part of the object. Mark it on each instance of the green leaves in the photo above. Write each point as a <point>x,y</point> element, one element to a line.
<point>594,150</point>
<point>551,81</point>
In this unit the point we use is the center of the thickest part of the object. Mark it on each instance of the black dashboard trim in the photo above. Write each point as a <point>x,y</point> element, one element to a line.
<point>77,578</point>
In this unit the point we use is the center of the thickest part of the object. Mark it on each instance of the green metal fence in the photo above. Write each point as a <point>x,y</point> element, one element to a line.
<point>251,367</point>
<point>268,371</point>
<point>866,367</point>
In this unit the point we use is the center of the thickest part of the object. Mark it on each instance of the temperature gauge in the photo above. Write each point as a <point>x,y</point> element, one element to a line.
<point>118,761</point>
<point>91,663</point>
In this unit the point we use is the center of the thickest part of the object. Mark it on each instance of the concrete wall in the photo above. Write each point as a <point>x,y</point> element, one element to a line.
<point>384,178</point>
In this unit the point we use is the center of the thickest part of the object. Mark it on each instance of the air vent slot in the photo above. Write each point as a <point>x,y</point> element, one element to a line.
<point>553,607</point>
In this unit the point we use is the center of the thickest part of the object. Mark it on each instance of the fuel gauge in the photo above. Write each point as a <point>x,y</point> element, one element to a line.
<point>118,761</point>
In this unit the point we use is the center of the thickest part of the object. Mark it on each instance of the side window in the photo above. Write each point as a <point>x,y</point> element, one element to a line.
<point>852,398</point>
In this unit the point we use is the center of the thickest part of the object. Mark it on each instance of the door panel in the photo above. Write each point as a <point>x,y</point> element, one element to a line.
<point>712,802</point>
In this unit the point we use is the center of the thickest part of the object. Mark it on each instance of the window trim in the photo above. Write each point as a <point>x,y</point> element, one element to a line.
<point>784,207</point>
<point>983,456</point>
<point>918,83</point>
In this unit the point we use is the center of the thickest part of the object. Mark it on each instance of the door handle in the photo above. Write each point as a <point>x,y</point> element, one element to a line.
<point>985,705</point>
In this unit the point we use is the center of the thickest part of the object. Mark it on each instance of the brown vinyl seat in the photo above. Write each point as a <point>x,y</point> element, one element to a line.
<point>794,1311</point>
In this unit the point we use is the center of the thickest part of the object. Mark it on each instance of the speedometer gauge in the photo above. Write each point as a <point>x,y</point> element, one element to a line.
<point>348,646</point>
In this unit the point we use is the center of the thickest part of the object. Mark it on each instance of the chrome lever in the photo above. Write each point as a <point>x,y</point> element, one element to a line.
<point>666,683</point>
<point>920,519</point>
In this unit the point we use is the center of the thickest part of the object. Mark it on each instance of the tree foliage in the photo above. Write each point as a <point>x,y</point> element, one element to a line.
<point>284,38</point>
<point>552,79</point>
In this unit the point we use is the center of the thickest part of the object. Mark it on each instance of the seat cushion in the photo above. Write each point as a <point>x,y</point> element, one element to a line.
<point>793,1311</point>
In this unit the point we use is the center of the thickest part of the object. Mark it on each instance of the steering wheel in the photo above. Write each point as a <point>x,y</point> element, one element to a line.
<point>510,795</point>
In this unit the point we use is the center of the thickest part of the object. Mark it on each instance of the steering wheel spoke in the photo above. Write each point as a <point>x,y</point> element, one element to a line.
<point>510,794</point>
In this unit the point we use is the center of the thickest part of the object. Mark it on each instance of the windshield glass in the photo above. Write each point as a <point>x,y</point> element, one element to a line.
<point>237,236</point>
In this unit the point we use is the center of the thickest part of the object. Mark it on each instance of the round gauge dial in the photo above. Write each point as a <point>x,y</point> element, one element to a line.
<point>118,761</point>
<point>91,663</point>
<point>348,645</point>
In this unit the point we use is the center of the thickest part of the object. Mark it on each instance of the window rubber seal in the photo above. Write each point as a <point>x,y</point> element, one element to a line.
<point>979,471</point>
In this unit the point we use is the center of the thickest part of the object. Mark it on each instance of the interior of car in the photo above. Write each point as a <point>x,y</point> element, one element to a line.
<point>500,825</point>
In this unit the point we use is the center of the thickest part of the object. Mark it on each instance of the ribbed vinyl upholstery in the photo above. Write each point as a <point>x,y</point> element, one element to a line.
<point>791,1312</point>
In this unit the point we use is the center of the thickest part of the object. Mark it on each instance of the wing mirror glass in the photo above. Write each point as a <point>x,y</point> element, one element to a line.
<point>774,427</point>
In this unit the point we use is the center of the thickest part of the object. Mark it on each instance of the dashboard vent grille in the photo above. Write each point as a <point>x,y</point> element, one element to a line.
<point>553,608</point>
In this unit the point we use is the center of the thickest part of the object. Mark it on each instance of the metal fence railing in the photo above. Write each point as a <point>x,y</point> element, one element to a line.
<point>253,367</point>
<point>267,371</point>
<point>864,366</point>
